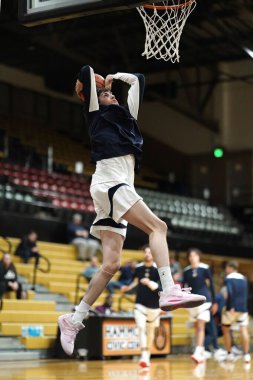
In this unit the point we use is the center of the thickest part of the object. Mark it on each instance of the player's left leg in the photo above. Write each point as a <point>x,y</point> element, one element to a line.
<point>172,296</point>
<point>227,337</point>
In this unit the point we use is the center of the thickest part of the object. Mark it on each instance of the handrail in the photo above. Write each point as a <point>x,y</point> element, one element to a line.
<point>37,268</point>
<point>124,296</point>
<point>78,287</point>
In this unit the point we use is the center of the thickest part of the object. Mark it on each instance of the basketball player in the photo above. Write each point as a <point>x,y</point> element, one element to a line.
<point>236,309</point>
<point>198,276</point>
<point>146,311</point>
<point>116,148</point>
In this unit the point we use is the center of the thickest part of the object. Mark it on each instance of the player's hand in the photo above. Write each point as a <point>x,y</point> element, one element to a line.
<point>145,281</point>
<point>214,308</point>
<point>108,81</point>
<point>79,89</point>
<point>124,288</point>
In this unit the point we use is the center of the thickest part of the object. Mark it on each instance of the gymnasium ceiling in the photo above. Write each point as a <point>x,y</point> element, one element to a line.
<point>216,31</point>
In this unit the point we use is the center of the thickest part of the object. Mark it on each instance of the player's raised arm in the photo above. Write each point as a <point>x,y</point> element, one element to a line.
<point>136,91</point>
<point>86,88</point>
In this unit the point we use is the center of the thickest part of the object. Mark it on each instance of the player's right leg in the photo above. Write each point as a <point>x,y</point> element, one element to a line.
<point>71,324</point>
<point>173,296</point>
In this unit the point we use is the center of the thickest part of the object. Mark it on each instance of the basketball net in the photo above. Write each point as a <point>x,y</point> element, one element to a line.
<point>164,23</point>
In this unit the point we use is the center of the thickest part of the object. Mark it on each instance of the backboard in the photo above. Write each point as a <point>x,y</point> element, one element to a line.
<point>34,12</point>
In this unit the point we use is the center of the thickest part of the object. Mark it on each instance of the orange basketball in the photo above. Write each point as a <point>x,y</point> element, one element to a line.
<point>100,81</point>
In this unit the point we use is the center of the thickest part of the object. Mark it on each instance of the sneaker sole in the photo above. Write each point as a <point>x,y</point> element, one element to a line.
<point>183,305</point>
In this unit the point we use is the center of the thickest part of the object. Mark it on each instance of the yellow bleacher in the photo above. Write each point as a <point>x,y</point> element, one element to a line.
<point>62,279</point>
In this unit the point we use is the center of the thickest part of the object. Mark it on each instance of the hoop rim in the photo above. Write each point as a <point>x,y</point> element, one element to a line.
<point>164,7</point>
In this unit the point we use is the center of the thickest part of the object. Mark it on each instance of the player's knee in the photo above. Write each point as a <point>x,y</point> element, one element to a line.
<point>161,226</point>
<point>112,267</point>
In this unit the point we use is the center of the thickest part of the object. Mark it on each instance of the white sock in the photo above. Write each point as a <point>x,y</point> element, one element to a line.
<point>166,278</point>
<point>82,311</point>
<point>199,350</point>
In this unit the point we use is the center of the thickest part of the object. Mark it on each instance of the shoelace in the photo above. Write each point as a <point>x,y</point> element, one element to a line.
<point>70,329</point>
<point>187,290</point>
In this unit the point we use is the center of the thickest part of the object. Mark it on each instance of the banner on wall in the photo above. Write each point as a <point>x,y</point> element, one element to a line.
<point>121,337</point>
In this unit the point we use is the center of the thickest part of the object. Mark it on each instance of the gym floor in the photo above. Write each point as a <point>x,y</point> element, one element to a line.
<point>172,368</point>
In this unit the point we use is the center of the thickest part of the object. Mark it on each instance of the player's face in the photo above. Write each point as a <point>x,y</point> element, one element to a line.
<point>194,258</point>
<point>107,98</point>
<point>147,255</point>
<point>7,260</point>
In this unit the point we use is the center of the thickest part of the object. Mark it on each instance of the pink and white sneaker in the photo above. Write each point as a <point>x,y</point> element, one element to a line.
<point>69,330</point>
<point>178,297</point>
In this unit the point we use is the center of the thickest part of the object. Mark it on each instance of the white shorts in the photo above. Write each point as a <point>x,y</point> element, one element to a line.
<point>111,201</point>
<point>143,315</point>
<point>201,312</point>
<point>228,318</point>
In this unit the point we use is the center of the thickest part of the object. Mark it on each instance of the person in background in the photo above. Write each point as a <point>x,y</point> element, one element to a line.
<point>28,249</point>
<point>146,311</point>
<point>106,308</point>
<point>92,269</point>
<point>125,277</point>
<point>198,276</point>
<point>78,235</point>
<point>235,292</point>
<point>175,268</point>
<point>8,277</point>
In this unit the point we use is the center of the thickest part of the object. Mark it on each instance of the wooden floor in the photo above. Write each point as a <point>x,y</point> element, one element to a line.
<point>173,368</point>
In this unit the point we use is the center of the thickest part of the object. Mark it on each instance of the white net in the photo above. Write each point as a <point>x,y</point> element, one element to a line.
<point>164,23</point>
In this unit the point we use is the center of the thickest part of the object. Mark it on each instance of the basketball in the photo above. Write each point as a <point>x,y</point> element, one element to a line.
<point>100,81</point>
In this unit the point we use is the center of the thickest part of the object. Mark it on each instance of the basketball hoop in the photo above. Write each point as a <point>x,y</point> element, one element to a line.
<point>164,24</point>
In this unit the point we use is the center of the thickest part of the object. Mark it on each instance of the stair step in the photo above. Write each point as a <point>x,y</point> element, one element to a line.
<point>29,316</point>
<point>10,304</point>
<point>32,343</point>
<point>15,329</point>
<point>13,355</point>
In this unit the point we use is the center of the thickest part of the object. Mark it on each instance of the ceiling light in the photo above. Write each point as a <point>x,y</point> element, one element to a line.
<point>248,51</point>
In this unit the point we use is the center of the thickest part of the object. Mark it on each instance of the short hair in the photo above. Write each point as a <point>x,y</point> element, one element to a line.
<point>77,216</point>
<point>145,246</point>
<point>232,264</point>
<point>100,90</point>
<point>190,250</point>
<point>32,232</point>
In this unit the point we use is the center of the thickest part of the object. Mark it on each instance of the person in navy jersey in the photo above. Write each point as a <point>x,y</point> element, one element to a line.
<point>146,311</point>
<point>236,309</point>
<point>116,148</point>
<point>125,277</point>
<point>198,277</point>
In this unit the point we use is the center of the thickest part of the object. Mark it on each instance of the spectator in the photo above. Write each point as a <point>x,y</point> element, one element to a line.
<point>106,308</point>
<point>92,269</point>
<point>198,276</point>
<point>236,310</point>
<point>175,268</point>
<point>8,277</point>
<point>78,235</point>
<point>125,278</point>
<point>27,248</point>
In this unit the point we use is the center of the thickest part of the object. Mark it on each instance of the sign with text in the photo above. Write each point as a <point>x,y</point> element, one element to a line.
<point>121,337</point>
